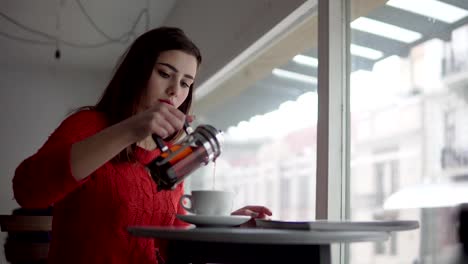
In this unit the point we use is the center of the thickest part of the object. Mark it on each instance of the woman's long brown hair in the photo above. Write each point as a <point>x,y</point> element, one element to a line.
<point>128,85</point>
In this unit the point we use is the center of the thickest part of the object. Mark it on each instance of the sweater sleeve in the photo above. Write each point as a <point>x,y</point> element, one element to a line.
<point>45,178</point>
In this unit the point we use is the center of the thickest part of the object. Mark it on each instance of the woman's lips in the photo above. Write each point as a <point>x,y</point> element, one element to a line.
<point>166,101</point>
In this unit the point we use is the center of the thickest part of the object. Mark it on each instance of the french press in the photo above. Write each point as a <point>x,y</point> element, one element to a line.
<point>177,162</point>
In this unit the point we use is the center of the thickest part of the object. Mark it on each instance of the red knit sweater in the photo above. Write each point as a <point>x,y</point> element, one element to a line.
<point>90,217</point>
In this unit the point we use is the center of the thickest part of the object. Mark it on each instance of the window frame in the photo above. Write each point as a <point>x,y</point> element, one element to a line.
<point>333,124</point>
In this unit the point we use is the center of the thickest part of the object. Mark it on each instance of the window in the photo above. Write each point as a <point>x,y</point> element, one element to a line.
<point>410,99</point>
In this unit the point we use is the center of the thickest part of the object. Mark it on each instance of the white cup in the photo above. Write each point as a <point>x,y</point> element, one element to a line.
<point>208,202</point>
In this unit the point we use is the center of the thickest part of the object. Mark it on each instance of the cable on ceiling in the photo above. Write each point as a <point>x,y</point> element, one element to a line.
<point>58,28</point>
<point>30,41</point>
<point>56,40</point>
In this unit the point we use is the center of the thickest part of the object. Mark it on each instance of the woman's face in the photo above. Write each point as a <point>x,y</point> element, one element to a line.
<point>170,80</point>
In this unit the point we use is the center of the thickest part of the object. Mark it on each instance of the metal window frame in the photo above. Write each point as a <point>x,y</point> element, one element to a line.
<point>333,130</point>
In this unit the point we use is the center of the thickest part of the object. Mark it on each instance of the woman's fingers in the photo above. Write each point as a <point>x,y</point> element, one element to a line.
<point>245,211</point>
<point>254,211</point>
<point>259,209</point>
<point>167,120</point>
<point>160,126</point>
<point>190,118</point>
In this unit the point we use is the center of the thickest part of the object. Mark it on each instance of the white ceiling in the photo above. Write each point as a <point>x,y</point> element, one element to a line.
<point>113,17</point>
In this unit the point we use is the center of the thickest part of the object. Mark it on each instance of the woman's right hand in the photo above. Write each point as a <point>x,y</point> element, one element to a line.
<point>162,119</point>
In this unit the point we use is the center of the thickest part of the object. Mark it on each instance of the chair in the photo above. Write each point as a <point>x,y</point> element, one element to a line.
<point>28,235</point>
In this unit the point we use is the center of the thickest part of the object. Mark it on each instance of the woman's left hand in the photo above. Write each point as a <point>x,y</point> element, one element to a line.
<point>254,211</point>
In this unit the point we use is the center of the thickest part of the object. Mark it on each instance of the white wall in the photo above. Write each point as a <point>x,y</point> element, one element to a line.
<point>33,102</point>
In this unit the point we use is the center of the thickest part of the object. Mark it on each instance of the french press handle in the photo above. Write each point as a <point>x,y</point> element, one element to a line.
<point>160,143</point>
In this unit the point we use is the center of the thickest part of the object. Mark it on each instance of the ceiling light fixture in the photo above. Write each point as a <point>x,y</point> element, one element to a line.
<point>355,50</point>
<point>385,30</point>
<point>306,60</point>
<point>366,52</point>
<point>431,8</point>
<point>294,75</point>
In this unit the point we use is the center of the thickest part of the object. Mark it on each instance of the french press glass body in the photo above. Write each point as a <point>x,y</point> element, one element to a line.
<point>179,161</point>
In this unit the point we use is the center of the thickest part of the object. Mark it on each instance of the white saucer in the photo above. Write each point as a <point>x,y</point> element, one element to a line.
<point>324,225</point>
<point>214,220</point>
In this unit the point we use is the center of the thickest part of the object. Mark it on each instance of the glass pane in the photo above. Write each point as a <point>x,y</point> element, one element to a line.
<point>409,132</point>
<point>267,108</point>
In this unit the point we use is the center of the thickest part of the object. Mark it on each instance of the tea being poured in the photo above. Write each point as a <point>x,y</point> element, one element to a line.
<point>214,175</point>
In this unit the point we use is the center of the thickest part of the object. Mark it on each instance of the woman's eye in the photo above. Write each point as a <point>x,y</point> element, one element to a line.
<point>163,74</point>
<point>185,85</point>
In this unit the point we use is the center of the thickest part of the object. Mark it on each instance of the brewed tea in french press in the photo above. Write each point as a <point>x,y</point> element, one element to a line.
<point>177,162</point>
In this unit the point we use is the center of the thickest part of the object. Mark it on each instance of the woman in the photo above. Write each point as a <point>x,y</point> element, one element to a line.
<point>92,168</point>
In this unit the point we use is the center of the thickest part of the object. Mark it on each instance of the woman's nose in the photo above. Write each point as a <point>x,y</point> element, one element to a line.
<point>172,89</point>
